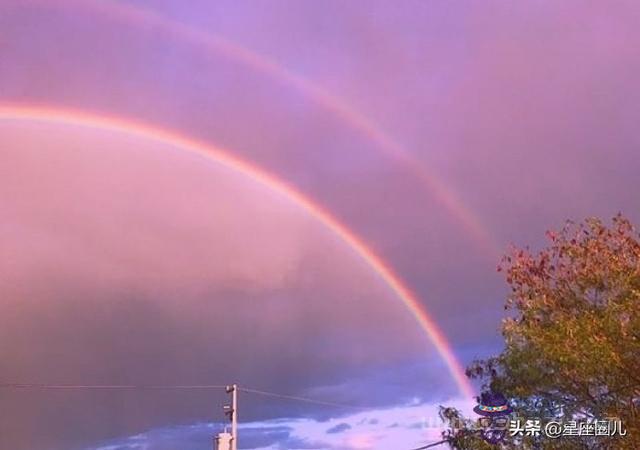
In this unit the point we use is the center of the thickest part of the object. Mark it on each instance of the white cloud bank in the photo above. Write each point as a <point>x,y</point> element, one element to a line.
<point>398,428</point>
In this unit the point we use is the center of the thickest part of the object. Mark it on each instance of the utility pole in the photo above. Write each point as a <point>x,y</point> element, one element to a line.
<point>231,411</point>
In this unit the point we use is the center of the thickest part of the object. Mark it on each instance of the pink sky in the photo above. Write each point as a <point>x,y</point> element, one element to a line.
<point>123,260</point>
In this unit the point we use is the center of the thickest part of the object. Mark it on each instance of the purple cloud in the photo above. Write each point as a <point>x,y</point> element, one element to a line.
<point>339,428</point>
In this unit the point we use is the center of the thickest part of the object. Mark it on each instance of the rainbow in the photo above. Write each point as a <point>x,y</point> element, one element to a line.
<point>225,158</point>
<point>219,45</point>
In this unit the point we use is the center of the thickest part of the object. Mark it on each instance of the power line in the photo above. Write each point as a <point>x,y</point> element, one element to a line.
<point>433,444</point>
<point>296,398</point>
<point>44,386</point>
<point>98,387</point>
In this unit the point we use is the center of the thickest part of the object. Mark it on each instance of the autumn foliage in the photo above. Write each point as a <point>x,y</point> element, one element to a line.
<point>572,335</point>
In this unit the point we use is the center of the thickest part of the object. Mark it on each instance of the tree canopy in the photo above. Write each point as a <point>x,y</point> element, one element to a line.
<point>572,337</point>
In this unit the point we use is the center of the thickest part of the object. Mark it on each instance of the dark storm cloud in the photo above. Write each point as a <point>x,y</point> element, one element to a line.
<point>165,270</point>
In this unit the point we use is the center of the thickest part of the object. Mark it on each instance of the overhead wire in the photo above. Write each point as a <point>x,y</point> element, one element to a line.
<point>97,387</point>
<point>48,386</point>
<point>297,398</point>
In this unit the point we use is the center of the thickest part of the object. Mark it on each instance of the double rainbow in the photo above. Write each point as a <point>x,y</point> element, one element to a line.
<point>225,158</point>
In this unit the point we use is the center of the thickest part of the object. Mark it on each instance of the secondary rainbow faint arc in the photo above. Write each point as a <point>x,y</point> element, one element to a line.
<point>336,105</point>
<point>224,157</point>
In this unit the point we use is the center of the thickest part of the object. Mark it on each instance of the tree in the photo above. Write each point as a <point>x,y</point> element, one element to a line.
<point>572,338</point>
